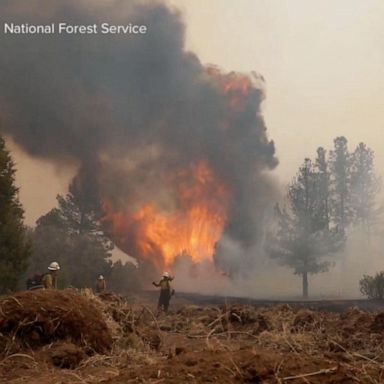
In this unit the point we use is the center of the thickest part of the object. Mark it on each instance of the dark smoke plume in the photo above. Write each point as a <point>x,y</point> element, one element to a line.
<point>129,109</point>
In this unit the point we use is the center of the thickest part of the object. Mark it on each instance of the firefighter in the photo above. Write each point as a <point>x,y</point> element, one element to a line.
<point>49,280</point>
<point>166,291</point>
<point>101,284</point>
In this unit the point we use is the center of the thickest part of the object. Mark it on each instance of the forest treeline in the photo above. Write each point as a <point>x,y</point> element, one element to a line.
<point>331,195</point>
<point>70,234</point>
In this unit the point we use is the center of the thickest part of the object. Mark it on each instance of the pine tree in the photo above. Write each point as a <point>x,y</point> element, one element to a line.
<point>340,166</point>
<point>81,215</point>
<point>15,249</point>
<point>302,239</point>
<point>323,188</point>
<point>73,234</point>
<point>77,210</point>
<point>365,186</point>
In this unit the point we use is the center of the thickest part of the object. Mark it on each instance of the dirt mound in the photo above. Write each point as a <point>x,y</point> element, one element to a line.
<point>66,355</point>
<point>43,316</point>
<point>109,297</point>
<point>304,319</point>
<point>261,324</point>
<point>242,314</point>
<point>196,344</point>
<point>354,320</point>
<point>250,365</point>
<point>378,323</point>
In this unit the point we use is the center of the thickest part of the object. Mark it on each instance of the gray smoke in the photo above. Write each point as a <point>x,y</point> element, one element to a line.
<point>130,109</point>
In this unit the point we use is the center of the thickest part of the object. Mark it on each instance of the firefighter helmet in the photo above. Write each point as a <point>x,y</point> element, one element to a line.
<point>54,266</point>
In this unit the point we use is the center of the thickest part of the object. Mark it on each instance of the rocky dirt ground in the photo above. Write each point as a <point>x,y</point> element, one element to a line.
<point>76,337</point>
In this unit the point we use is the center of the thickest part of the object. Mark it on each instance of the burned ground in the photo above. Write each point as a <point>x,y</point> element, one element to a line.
<point>193,343</point>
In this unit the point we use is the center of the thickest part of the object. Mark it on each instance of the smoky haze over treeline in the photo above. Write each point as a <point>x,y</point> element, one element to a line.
<point>132,110</point>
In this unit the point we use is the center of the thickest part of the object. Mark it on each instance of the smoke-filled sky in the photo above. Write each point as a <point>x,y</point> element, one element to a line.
<point>323,62</point>
<point>142,119</point>
<point>175,151</point>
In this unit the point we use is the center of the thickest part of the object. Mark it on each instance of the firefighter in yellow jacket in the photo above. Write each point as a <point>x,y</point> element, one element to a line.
<point>49,280</point>
<point>166,291</point>
<point>101,284</point>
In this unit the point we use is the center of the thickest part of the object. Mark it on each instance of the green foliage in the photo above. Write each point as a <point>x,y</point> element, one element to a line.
<point>354,186</point>
<point>373,286</point>
<point>81,257</point>
<point>72,235</point>
<point>302,238</point>
<point>322,189</point>
<point>14,245</point>
<point>365,186</point>
<point>340,165</point>
<point>325,200</point>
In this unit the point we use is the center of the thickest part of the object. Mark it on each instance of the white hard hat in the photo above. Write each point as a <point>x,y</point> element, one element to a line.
<point>165,274</point>
<point>101,277</point>
<point>54,266</point>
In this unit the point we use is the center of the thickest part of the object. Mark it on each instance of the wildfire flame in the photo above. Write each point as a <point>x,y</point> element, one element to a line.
<point>201,200</point>
<point>235,87</point>
<point>193,227</point>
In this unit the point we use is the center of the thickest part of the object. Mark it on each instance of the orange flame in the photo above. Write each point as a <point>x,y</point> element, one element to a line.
<point>193,227</point>
<point>234,86</point>
<point>198,218</point>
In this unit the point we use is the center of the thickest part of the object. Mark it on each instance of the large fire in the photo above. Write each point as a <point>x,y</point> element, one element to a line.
<point>193,227</point>
<point>235,87</point>
<point>201,200</point>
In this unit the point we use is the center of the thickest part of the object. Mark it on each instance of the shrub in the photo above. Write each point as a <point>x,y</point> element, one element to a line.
<point>373,286</point>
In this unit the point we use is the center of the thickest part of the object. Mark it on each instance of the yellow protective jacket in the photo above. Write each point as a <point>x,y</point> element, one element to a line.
<point>49,281</point>
<point>164,284</point>
<point>101,285</point>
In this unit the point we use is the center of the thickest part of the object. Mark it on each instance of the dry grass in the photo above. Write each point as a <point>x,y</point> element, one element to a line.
<point>296,346</point>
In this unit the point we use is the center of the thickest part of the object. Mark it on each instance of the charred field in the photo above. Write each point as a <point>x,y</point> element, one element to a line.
<point>74,336</point>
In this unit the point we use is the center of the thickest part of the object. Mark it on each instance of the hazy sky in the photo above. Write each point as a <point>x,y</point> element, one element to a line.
<point>323,62</point>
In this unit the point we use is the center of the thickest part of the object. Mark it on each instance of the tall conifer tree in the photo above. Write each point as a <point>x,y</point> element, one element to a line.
<point>14,247</point>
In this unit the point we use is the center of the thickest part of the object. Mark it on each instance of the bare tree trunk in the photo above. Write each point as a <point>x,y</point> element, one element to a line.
<point>305,285</point>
